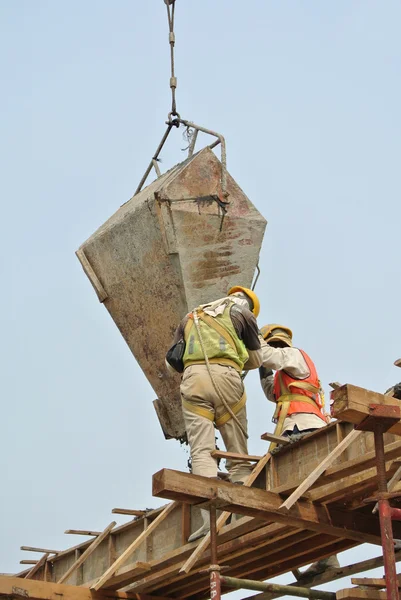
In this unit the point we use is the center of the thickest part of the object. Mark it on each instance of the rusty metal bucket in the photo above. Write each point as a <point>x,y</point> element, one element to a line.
<point>167,250</point>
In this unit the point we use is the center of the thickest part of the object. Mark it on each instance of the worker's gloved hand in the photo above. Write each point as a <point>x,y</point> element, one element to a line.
<point>397,391</point>
<point>263,372</point>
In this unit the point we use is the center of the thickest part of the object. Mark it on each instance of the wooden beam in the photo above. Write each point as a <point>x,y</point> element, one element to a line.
<point>96,542</point>
<point>359,594</point>
<point>266,505</point>
<point>128,511</point>
<point>222,520</point>
<point>132,547</point>
<point>28,562</point>
<point>36,568</point>
<point>185,523</point>
<point>369,582</point>
<point>277,439</point>
<point>82,532</point>
<point>327,462</point>
<point>41,550</point>
<point>351,404</point>
<point>41,590</point>
<point>235,456</point>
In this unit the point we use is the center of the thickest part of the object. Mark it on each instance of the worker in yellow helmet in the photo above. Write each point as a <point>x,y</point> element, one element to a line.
<point>296,390</point>
<point>212,346</point>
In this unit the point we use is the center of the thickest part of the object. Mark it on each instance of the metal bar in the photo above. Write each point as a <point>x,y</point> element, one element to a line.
<point>223,151</point>
<point>257,277</point>
<point>329,576</point>
<point>216,143</point>
<point>396,514</point>
<point>192,144</point>
<point>156,167</point>
<point>385,518</point>
<point>154,157</point>
<point>301,592</point>
<point>391,485</point>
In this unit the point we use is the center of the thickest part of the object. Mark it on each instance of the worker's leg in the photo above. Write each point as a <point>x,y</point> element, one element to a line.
<point>195,388</point>
<point>232,388</point>
<point>235,441</point>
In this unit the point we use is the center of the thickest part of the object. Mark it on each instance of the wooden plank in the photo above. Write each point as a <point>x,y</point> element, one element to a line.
<point>87,552</point>
<point>327,462</point>
<point>359,594</point>
<point>132,547</point>
<point>36,568</point>
<point>185,523</point>
<point>374,582</point>
<point>235,456</point>
<point>344,470</point>
<point>222,520</point>
<point>351,404</point>
<point>128,511</point>
<point>369,582</point>
<point>168,566</point>
<point>28,562</point>
<point>82,532</point>
<point>41,550</point>
<point>277,439</point>
<point>266,505</point>
<point>46,590</point>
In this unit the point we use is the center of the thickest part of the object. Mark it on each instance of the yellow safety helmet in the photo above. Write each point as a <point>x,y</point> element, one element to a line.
<point>277,333</point>
<point>250,294</point>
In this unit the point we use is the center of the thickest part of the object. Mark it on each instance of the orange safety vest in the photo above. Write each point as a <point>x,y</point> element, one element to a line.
<point>287,387</point>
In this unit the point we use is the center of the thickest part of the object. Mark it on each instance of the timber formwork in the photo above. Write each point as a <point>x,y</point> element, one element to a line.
<point>311,500</point>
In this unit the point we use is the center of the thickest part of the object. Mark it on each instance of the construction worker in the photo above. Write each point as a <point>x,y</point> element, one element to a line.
<point>296,390</point>
<point>295,387</point>
<point>221,339</point>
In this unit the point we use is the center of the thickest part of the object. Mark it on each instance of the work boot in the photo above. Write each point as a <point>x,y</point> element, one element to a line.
<point>323,565</point>
<point>204,529</point>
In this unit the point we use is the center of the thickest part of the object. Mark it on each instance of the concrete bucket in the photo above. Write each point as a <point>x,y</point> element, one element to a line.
<point>164,252</point>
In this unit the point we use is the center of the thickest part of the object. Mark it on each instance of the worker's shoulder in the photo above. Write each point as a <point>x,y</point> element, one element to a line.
<point>237,310</point>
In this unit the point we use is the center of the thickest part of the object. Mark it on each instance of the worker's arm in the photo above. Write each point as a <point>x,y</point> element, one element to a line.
<point>267,382</point>
<point>247,330</point>
<point>285,359</point>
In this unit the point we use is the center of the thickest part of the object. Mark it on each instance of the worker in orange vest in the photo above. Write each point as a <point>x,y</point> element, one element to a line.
<point>296,390</point>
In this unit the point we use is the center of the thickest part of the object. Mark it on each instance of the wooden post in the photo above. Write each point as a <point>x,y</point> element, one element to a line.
<point>87,552</point>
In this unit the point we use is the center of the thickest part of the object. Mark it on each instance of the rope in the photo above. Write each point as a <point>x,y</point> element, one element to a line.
<point>218,392</point>
<point>171,37</point>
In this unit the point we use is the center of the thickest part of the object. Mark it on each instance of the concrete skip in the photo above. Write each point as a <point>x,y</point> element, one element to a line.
<point>163,253</point>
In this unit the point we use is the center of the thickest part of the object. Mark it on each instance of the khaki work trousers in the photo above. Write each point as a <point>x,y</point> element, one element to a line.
<point>197,389</point>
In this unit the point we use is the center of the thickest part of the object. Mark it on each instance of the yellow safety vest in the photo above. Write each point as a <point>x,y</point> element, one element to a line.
<point>220,339</point>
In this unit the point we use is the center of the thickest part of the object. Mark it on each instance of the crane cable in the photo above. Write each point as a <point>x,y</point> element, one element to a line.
<point>170,4</point>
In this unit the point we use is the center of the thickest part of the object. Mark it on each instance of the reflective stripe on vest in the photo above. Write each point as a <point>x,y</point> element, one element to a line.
<point>221,341</point>
<point>204,412</point>
<point>303,395</point>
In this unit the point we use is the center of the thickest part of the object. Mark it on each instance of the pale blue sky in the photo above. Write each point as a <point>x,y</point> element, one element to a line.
<point>308,95</point>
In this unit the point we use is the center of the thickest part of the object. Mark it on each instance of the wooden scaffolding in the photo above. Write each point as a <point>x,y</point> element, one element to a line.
<point>312,499</point>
